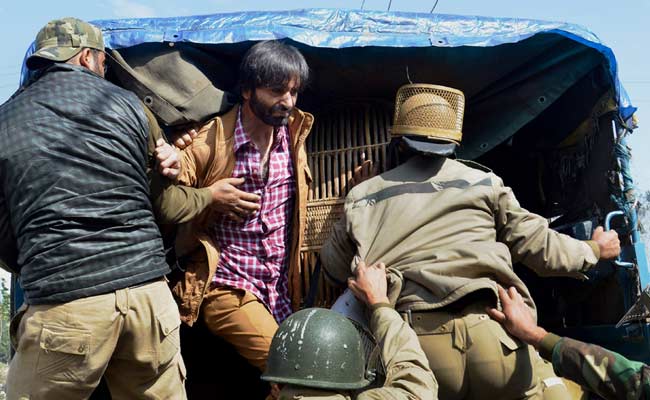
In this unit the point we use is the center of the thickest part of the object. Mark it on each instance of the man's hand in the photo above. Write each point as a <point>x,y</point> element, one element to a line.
<point>169,163</point>
<point>608,243</point>
<point>184,139</point>
<point>369,284</point>
<point>517,317</point>
<point>361,173</point>
<point>232,202</point>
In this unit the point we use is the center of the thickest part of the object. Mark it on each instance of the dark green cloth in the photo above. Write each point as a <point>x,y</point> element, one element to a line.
<point>172,203</point>
<point>606,373</point>
<point>547,345</point>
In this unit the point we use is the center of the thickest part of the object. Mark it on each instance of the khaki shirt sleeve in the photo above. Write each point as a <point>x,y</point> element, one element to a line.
<point>408,375</point>
<point>173,204</point>
<point>534,244</point>
<point>337,253</point>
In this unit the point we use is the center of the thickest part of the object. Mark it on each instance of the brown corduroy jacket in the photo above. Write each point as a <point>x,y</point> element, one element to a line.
<point>211,158</point>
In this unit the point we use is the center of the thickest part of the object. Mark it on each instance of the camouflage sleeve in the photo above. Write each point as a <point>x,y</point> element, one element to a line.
<point>608,374</point>
<point>173,204</point>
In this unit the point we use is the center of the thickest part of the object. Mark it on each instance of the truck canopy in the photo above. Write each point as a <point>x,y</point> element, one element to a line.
<point>544,109</point>
<point>511,70</point>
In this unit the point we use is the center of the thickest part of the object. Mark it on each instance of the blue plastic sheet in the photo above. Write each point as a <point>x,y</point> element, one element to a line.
<point>335,28</point>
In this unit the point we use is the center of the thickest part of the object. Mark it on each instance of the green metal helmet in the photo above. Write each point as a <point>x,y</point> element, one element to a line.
<point>317,348</point>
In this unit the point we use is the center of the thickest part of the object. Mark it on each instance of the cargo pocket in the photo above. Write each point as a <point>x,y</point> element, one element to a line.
<point>510,370</point>
<point>511,343</point>
<point>508,343</point>
<point>169,322</point>
<point>63,353</point>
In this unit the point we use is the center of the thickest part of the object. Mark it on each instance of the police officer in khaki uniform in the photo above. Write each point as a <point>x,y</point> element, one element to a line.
<point>453,232</point>
<point>319,354</point>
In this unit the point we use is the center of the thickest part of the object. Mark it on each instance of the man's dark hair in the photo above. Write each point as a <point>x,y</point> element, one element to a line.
<point>272,64</point>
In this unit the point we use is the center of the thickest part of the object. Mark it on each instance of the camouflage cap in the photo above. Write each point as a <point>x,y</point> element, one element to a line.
<point>62,39</point>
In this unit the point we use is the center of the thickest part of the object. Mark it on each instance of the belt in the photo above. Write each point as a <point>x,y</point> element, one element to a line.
<point>470,307</point>
<point>477,299</point>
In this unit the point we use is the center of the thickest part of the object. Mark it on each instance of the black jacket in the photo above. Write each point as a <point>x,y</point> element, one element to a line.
<point>73,188</point>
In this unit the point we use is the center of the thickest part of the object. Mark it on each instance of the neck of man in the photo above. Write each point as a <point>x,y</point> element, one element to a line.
<point>259,132</point>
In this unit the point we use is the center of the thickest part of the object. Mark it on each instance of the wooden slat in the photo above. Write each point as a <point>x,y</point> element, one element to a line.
<point>342,136</point>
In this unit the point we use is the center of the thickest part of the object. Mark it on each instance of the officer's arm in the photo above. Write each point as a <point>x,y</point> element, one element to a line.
<point>337,253</point>
<point>408,375</point>
<point>173,204</point>
<point>604,372</point>
<point>533,243</point>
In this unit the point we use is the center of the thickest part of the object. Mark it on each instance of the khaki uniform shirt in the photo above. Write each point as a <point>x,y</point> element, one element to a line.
<point>449,230</point>
<point>408,375</point>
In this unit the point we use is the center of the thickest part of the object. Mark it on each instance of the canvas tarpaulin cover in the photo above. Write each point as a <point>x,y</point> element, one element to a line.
<point>512,71</point>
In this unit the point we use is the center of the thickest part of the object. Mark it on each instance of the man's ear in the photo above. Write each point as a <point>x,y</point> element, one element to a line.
<point>246,94</point>
<point>86,58</point>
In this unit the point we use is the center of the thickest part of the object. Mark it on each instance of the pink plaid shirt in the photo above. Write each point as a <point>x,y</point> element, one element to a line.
<point>254,252</point>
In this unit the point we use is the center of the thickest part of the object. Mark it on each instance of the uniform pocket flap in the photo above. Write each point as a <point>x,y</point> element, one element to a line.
<point>169,321</point>
<point>65,340</point>
<point>509,342</point>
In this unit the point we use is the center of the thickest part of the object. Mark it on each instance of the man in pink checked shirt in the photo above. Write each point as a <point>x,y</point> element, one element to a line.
<point>241,255</point>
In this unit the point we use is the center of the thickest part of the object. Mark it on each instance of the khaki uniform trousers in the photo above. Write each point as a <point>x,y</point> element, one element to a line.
<point>242,320</point>
<point>130,336</point>
<point>473,357</point>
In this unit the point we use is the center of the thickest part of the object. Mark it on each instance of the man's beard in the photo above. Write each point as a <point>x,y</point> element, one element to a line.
<point>265,114</point>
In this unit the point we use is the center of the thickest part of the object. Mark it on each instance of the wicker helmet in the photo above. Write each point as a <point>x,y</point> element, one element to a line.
<point>318,348</point>
<point>429,113</point>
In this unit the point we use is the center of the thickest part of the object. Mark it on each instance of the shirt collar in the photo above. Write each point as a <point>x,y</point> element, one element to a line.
<point>241,138</point>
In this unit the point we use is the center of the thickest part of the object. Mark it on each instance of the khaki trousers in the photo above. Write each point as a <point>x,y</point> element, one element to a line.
<point>129,336</point>
<point>242,320</point>
<point>473,357</point>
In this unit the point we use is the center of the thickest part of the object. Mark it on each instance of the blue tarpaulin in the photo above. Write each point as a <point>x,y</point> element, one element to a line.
<point>335,28</point>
